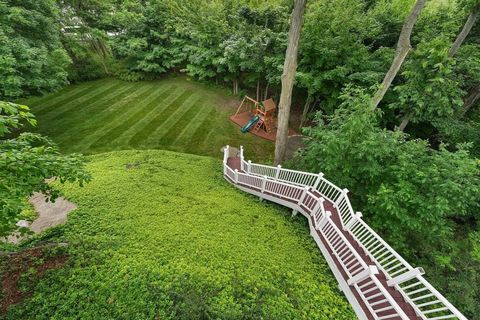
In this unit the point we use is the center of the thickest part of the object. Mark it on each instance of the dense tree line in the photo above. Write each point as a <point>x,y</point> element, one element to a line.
<point>411,163</point>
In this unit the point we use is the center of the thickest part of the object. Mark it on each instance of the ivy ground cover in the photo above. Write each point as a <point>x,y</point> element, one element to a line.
<point>169,114</point>
<point>161,235</point>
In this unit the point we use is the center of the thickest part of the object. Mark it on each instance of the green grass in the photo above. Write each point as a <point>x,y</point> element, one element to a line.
<point>161,235</point>
<point>170,114</point>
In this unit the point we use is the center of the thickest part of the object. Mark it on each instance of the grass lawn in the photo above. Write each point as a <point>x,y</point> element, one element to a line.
<point>171,114</point>
<point>161,235</point>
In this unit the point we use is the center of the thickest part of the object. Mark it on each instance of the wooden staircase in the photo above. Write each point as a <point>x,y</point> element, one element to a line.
<point>377,281</point>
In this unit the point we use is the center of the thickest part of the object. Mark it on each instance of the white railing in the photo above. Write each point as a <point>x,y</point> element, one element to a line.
<point>377,299</point>
<point>310,191</point>
<point>317,182</point>
<point>426,300</point>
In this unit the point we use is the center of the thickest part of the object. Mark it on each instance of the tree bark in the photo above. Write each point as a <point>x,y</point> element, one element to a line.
<point>288,79</point>
<point>306,109</point>
<point>258,90</point>
<point>405,121</point>
<point>472,98</point>
<point>266,92</point>
<point>472,18</point>
<point>403,47</point>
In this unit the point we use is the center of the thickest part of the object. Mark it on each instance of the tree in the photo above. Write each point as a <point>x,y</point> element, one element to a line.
<point>32,58</point>
<point>445,104</point>
<point>431,90</point>
<point>288,79</point>
<point>472,18</point>
<point>403,47</point>
<point>474,93</point>
<point>26,162</point>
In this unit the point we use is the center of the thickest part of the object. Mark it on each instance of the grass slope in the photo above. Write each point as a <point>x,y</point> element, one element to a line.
<point>168,238</point>
<point>172,114</point>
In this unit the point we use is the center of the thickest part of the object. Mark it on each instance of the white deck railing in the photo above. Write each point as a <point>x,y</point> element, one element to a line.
<point>309,191</point>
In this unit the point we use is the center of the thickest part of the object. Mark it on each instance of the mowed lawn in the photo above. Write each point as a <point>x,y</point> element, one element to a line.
<point>173,114</point>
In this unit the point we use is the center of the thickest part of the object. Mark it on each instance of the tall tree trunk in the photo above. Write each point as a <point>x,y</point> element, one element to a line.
<point>288,79</point>
<point>306,109</point>
<point>474,94</point>
<point>403,47</point>
<point>265,97</point>
<point>472,18</point>
<point>472,98</point>
<point>258,90</point>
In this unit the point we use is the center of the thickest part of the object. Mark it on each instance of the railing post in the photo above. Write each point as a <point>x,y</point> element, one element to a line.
<point>226,151</point>
<point>342,196</point>
<point>352,221</point>
<point>324,220</point>
<point>249,166</point>
<point>317,181</point>
<point>241,158</point>
<point>225,158</point>
<point>264,183</point>
<point>302,197</point>
<point>277,173</point>
<point>363,275</point>
<point>318,206</point>
<point>236,175</point>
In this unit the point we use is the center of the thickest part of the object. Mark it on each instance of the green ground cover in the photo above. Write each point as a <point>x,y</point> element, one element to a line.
<point>161,235</point>
<point>170,114</point>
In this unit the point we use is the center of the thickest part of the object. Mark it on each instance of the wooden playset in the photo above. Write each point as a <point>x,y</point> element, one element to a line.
<point>262,114</point>
<point>258,118</point>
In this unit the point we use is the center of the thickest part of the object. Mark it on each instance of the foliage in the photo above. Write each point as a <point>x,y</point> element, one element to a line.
<point>159,234</point>
<point>26,162</point>
<point>32,59</point>
<point>325,67</point>
<point>414,195</point>
<point>431,91</point>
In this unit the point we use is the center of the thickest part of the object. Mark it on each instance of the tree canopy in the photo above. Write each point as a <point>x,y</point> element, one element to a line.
<point>412,164</point>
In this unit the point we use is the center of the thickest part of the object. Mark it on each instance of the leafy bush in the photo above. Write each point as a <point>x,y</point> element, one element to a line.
<point>161,235</point>
<point>418,198</point>
<point>26,162</point>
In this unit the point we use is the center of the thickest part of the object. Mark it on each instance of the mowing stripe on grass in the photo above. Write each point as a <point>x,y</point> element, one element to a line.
<point>97,100</point>
<point>198,138</point>
<point>51,104</point>
<point>157,107</point>
<point>178,124</point>
<point>85,122</point>
<point>174,118</point>
<point>189,130</point>
<point>39,99</point>
<point>78,103</point>
<point>131,117</point>
<point>143,134</point>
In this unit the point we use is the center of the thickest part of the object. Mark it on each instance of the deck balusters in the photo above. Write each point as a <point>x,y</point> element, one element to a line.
<point>292,189</point>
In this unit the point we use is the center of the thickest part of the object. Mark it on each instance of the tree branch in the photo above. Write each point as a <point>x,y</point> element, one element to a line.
<point>403,47</point>
<point>471,99</point>
<point>472,18</point>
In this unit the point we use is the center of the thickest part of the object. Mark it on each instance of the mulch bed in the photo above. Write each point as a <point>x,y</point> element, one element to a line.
<point>15,265</point>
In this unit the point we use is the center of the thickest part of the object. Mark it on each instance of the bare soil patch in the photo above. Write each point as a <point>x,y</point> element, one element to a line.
<point>27,266</point>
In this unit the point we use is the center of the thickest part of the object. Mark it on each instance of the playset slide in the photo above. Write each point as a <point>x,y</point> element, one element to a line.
<point>250,123</point>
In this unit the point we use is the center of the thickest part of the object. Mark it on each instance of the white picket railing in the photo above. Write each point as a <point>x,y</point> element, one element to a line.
<point>310,191</point>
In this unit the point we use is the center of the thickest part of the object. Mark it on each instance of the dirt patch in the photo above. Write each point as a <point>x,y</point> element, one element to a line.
<point>50,214</point>
<point>28,266</point>
<point>294,143</point>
